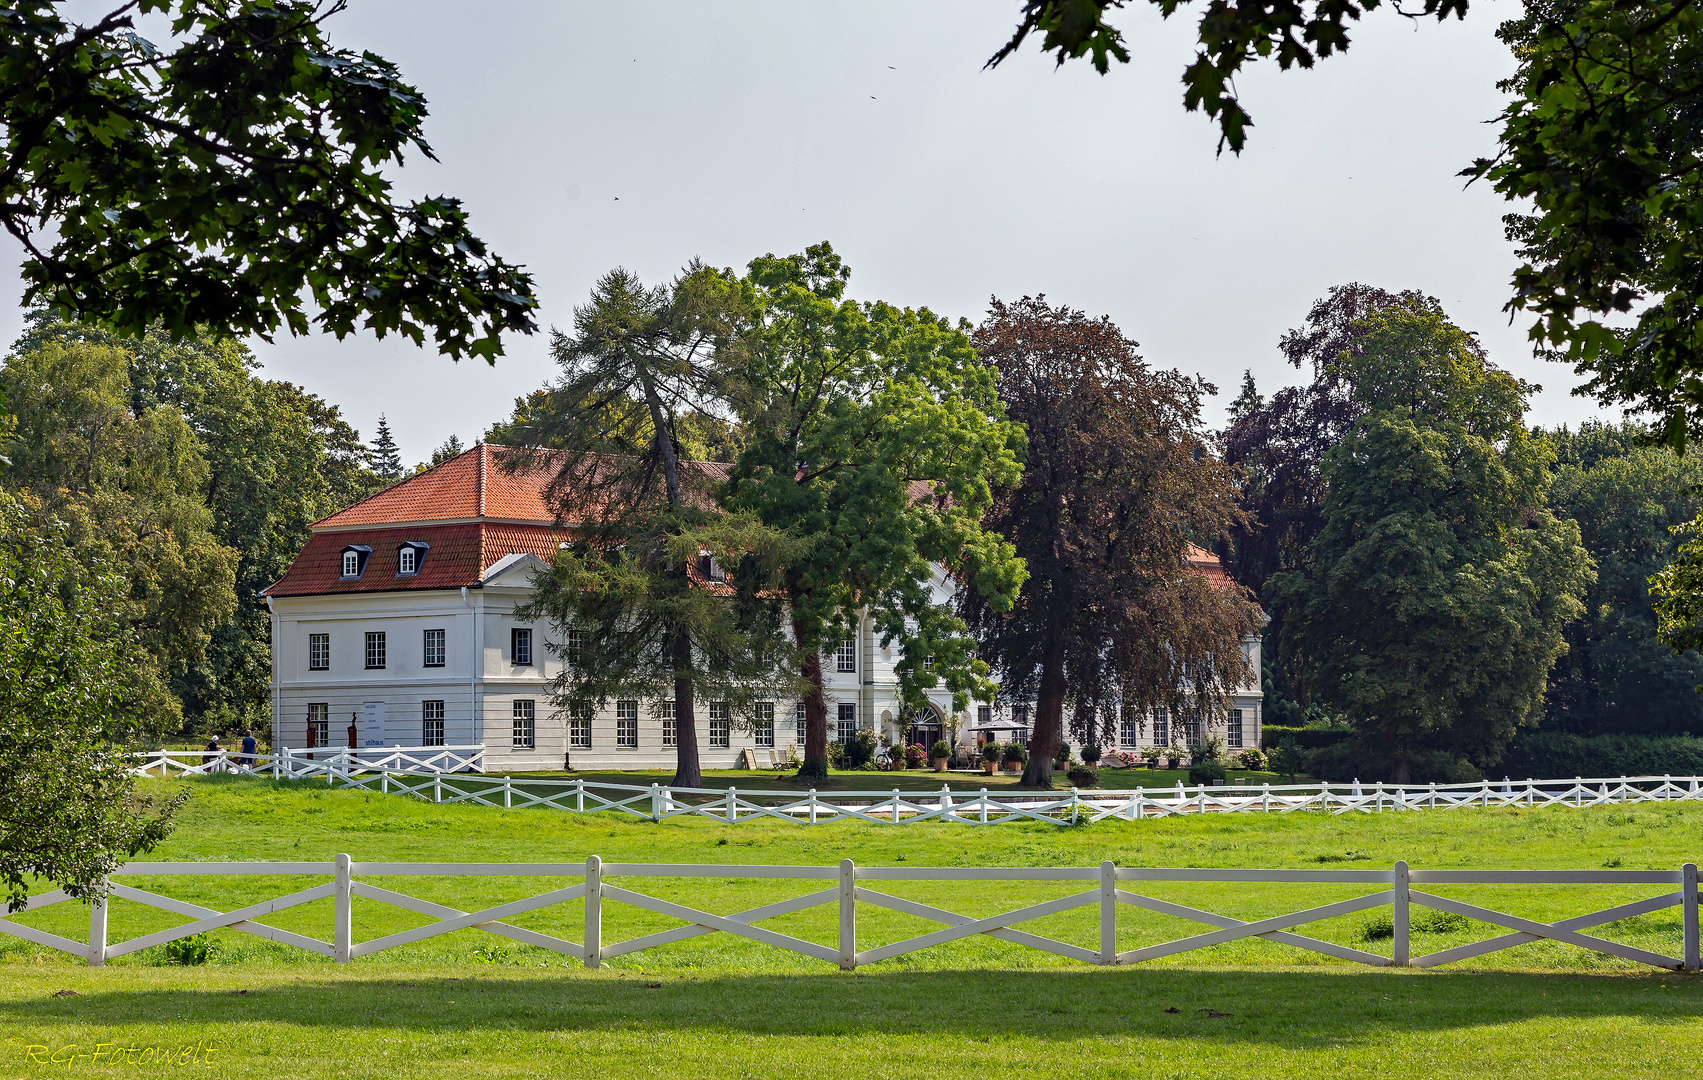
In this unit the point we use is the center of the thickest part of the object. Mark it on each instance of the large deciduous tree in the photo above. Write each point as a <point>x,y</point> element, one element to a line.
<point>1599,144</point>
<point>69,811</point>
<point>639,603</point>
<point>228,176</point>
<point>874,436</point>
<point>1117,484</point>
<point>1431,603</point>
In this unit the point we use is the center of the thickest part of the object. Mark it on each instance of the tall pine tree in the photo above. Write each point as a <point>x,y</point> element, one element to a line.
<point>384,459</point>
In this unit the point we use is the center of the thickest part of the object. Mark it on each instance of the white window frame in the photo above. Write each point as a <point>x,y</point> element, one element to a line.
<point>845,657</point>
<point>523,714</point>
<point>763,726</point>
<point>351,564</point>
<point>1233,729</point>
<point>579,725</point>
<point>319,652</point>
<point>801,715</point>
<point>626,725</point>
<point>319,720</point>
<point>1129,730</point>
<point>1161,728</point>
<point>574,651</point>
<point>845,727</point>
<point>721,726</point>
<point>670,725</point>
<point>434,648</point>
<point>407,559</point>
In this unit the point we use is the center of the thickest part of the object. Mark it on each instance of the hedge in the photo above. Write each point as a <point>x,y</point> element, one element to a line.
<point>1555,755</point>
<point>1306,738</point>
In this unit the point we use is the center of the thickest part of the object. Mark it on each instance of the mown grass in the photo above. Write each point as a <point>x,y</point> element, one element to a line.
<point>715,1005</point>
<point>908,780</point>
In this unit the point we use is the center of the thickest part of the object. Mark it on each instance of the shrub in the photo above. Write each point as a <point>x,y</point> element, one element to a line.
<point>856,753</point>
<point>1083,776</point>
<point>1210,750</point>
<point>1306,738</point>
<point>1090,755</point>
<point>1555,755</point>
<point>1206,771</point>
<point>1063,754</point>
<point>1015,751</point>
<point>1287,759</point>
<point>991,751</point>
<point>915,755</point>
<point>940,749</point>
<point>192,951</point>
<point>1252,758</point>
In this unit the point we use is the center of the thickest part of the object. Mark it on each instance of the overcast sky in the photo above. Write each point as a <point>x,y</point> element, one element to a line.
<point>586,136</point>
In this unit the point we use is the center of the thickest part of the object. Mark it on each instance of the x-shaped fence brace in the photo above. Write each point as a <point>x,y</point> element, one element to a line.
<point>1396,892</point>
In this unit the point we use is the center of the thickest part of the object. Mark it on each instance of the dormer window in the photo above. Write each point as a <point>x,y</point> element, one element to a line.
<point>354,561</point>
<point>409,557</point>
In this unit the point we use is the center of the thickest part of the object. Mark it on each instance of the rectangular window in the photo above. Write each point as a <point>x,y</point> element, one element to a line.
<point>434,648</point>
<point>984,716</point>
<point>802,722</point>
<point>1233,729</point>
<point>319,652</point>
<point>525,719</point>
<point>405,560</point>
<point>375,649</point>
<point>763,727</point>
<point>1020,716</point>
<point>1129,732</point>
<point>846,729</point>
<point>319,724</point>
<point>351,564</point>
<point>721,726</point>
<point>431,723</point>
<point>1161,728</point>
<point>520,645</point>
<point>1196,735</point>
<point>845,658</point>
<point>575,652</point>
<point>579,725</point>
<point>627,725</point>
<point>670,725</point>
<point>928,662</point>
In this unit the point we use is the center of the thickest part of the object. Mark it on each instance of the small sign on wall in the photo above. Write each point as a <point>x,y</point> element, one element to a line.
<point>372,723</point>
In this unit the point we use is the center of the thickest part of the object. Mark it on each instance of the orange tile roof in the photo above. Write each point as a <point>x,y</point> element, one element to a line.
<point>471,485</point>
<point>1207,563</point>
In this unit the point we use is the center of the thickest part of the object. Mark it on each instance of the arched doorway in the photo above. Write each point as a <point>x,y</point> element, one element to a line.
<point>924,725</point>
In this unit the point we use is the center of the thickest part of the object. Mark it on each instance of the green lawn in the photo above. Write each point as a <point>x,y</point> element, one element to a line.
<point>716,1006</point>
<point>909,780</point>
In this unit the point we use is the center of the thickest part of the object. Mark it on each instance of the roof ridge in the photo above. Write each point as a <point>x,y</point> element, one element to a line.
<point>484,451</point>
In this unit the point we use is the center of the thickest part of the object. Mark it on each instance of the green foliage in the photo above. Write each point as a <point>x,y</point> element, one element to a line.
<point>1252,758</point>
<point>858,752</point>
<point>250,464</point>
<point>1434,546</point>
<point>383,458</point>
<point>69,690</point>
<point>1600,139</point>
<point>992,751</point>
<point>874,436</point>
<point>1090,754</point>
<point>1626,497</point>
<point>1014,751</point>
<point>1083,776</point>
<point>451,448</point>
<point>230,177</point>
<point>1287,760</point>
<point>1548,755</point>
<point>940,749</point>
<point>191,951</point>
<point>1205,771</point>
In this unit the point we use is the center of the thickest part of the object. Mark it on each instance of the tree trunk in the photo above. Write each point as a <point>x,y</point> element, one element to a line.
<point>1049,721</point>
<point>1400,773</point>
<point>687,772</point>
<point>815,766</point>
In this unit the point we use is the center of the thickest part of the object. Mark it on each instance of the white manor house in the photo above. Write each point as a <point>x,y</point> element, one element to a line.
<point>395,626</point>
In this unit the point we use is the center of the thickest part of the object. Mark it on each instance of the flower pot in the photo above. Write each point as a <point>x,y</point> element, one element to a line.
<point>898,764</point>
<point>1173,763</point>
<point>988,767</point>
<point>1014,766</point>
<point>939,764</point>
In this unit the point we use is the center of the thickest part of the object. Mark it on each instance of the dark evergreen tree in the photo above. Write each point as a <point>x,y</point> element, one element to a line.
<point>451,448</point>
<point>384,459</point>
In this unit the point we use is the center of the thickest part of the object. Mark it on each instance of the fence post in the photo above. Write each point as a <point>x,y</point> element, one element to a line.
<point>732,793</point>
<point>384,782</point>
<point>1688,917</point>
<point>579,795</point>
<point>812,806</point>
<point>848,915</point>
<point>1399,917</point>
<point>1265,797</point>
<point>508,794</point>
<point>437,787</point>
<point>1108,913</point>
<point>945,801</point>
<point>593,911</point>
<point>1380,795</point>
<point>656,802</point>
<point>1135,812</point>
<point>342,923</point>
<point>1484,796</point>
<point>97,928</point>
<point>895,806</point>
<point>984,806</point>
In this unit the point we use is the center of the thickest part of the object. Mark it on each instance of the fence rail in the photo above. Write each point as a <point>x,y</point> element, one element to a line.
<point>846,889</point>
<point>446,774</point>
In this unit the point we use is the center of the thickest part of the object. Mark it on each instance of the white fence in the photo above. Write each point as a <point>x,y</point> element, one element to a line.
<point>441,774</point>
<point>1394,888</point>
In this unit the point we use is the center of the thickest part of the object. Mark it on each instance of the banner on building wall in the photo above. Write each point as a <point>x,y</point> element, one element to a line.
<point>372,723</point>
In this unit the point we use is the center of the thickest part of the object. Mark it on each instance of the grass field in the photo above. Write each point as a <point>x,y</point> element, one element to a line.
<point>909,780</point>
<point>470,1004</point>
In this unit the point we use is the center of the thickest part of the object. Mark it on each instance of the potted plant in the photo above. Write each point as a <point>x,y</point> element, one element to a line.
<point>940,752</point>
<point>1091,756</point>
<point>1150,757</point>
<point>991,753</point>
<point>915,756</point>
<point>1173,758</point>
<point>1015,756</point>
<point>1062,758</point>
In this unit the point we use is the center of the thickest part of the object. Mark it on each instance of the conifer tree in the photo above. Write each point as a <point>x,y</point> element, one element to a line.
<point>384,458</point>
